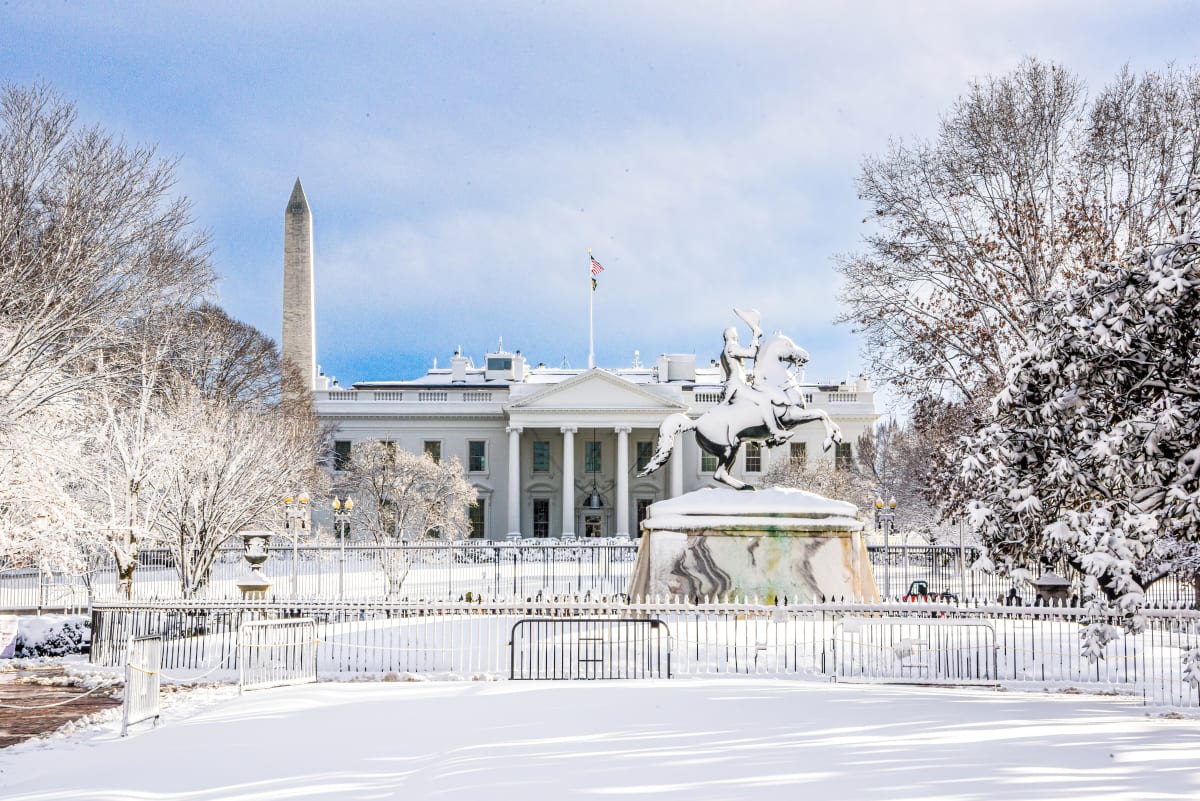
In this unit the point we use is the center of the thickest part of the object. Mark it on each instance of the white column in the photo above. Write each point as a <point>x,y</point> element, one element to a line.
<point>568,491</point>
<point>622,522</point>
<point>676,467</point>
<point>514,479</point>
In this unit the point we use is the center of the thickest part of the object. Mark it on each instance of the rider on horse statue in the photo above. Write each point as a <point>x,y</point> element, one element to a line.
<point>764,406</point>
<point>738,384</point>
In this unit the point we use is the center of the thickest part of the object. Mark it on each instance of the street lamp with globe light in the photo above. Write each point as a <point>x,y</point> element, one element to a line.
<point>296,523</point>
<point>341,528</point>
<point>885,519</point>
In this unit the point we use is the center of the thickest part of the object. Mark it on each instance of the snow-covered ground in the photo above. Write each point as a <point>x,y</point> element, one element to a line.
<point>694,739</point>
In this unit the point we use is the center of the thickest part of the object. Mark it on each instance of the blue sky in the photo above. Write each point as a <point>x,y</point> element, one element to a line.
<point>461,157</point>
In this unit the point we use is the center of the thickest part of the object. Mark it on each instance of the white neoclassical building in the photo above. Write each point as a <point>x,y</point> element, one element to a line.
<point>551,451</point>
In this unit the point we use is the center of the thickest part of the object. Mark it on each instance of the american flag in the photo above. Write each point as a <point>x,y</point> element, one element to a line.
<point>596,268</point>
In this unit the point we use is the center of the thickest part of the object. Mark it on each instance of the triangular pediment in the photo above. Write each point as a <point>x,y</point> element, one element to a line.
<point>596,390</point>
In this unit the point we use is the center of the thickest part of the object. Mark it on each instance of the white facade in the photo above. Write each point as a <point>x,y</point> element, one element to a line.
<point>538,443</point>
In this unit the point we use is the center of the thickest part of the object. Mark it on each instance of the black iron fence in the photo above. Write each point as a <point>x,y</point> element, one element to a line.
<point>947,569</point>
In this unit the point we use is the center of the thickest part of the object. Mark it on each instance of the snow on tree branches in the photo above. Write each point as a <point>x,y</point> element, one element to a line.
<point>89,239</point>
<point>400,494</point>
<point>1028,185</point>
<point>131,410</point>
<point>1093,454</point>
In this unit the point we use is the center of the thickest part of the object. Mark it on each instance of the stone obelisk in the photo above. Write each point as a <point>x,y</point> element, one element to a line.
<point>299,315</point>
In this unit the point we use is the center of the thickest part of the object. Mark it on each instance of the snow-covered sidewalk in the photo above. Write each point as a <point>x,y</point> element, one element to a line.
<point>681,739</point>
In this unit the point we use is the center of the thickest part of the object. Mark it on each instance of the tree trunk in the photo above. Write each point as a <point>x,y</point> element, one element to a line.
<point>127,560</point>
<point>125,578</point>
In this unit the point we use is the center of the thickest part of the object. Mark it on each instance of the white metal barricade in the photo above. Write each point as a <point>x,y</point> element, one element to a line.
<point>143,665</point>
<point>273,653</point>
<point>915,650</point>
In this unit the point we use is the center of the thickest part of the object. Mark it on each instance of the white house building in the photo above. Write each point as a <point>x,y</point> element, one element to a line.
<point>552,452</point>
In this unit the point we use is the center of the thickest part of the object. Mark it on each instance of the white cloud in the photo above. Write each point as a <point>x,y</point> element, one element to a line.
<point>461,163</point>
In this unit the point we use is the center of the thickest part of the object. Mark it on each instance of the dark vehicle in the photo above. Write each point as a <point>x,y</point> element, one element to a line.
<point>918,592</point>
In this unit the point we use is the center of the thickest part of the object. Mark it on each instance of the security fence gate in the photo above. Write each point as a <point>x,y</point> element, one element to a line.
<point>920,651</point>
<point>274,653</point>
<point>143,674</point>
<point>589,648</point>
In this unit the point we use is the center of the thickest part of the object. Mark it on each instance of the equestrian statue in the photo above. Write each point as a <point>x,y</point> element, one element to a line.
<point>765,405</point>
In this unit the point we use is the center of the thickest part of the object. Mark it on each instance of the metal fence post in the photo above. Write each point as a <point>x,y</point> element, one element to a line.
<point>342,567</point>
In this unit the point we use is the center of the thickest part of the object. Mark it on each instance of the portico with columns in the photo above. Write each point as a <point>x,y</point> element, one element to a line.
<point>592,419</point>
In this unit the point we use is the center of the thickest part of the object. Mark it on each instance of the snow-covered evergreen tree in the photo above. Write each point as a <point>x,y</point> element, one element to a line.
<point>1094,450</point>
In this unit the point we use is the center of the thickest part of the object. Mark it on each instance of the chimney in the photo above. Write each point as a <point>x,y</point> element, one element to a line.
<point>458,367</point>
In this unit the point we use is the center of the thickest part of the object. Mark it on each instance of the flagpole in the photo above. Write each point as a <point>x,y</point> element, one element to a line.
<point>591,328</point>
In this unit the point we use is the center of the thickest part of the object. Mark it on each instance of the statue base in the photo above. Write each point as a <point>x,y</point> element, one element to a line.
<point>775,545</point>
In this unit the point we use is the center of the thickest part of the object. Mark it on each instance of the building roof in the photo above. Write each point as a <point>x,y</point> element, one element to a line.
<point>702,376</point>
<point>441,377</point>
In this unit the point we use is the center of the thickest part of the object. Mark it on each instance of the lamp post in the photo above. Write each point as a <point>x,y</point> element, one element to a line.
<point>885,520</point>
<point>962,563</point>
<point>296,522</point>
<point>341,527</point>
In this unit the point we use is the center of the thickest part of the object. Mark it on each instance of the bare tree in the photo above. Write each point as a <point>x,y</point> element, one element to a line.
<point>899,463</point>
<point>171,411</point>
<point>843,482</point>
<point>228,359</point>
<point>123,477</point>
<point>40,519</point>
<point>89,239</point>
<point>400,495</point>
<point>1027,185</point>
<point>228,467</point>
<point>194,375</point>
<point>90,242</point>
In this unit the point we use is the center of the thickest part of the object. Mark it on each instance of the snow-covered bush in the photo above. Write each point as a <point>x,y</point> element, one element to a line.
<point>1191,666</point>
<point>52,635</point>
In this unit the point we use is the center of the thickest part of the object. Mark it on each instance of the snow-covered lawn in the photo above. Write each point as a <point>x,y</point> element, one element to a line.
<point>693,739</point>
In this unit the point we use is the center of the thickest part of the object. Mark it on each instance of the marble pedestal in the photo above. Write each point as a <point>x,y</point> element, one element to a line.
<point>773,544</point>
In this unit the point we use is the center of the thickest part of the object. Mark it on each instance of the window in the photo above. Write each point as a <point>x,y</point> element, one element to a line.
<point>591,456</point>
<point>843,459</point>
<point>433,449</point>
<point>753,457</point>
<point>643,511</point>
<point>708,462</point>
<point>541,517</point>
<point>478,519</point>
<point>341,454</point>
<point>798,455</point>
<point>476,456</point>
<point>541,457</point>
<point>593,525</point>
<point>497,363</point>
<point>389,450</point>
<point>645,451</point>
